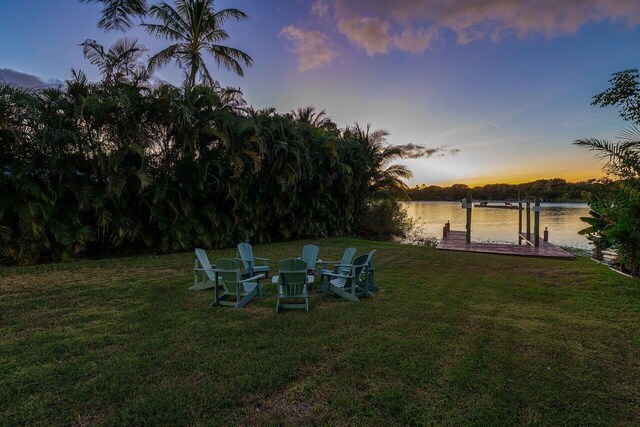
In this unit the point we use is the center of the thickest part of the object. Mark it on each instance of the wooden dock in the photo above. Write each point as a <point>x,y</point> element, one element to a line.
<point>457,241</point>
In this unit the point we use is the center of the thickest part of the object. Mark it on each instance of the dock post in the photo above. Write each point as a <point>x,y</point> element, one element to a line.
<point>546,234</point>
<point>519,219</point>
<point>536,222</point>
<point>444,231</point>
<point>469,205</point>
<point>528,219</point>
<point>448,226</point>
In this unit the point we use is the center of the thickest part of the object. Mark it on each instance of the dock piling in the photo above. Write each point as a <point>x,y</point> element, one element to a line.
<point>519,219</point>
<point>469,205</point>
<point>528,218</point>
<point>536,223</point>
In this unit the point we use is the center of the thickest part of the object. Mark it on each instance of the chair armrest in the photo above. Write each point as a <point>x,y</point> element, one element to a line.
<point>204,269</point>
<point>261,262</point>
<point>251,279</point>
<point>262,259</point>
<point>242,260</point>
<point>343,276</point>
<point>328,262</point>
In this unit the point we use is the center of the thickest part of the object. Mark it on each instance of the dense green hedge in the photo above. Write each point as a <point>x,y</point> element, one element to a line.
<point>89,169</point>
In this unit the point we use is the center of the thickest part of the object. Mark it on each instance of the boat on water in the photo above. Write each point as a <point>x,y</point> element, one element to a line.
<point>505,205</point>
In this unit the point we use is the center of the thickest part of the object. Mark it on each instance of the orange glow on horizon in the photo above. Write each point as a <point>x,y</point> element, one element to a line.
<point>479,181</point>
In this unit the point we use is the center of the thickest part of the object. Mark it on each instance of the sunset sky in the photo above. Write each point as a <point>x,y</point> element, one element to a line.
<point>489,90</point>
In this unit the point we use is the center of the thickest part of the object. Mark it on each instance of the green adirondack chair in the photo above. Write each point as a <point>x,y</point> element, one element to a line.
<point>237,292</point>
<point>252,265</point>
<point>350,281</point>
<point>203,272</point>
<point>342,266</point>
<point>372,287</point>
<point>292,284</point>
<point>310,256</point>
<point>365,283</point>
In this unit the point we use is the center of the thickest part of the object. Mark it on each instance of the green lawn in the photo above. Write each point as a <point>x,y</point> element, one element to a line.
<point>451,339</point>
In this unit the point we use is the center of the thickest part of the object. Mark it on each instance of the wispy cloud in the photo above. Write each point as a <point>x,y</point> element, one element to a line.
<point>312,47</point>
<point>370,34</point>
<point>25,80</point>
<point>418,151</point>
<point>375,36</point>
<point>412,26</point>
<point>320,8</point>
<point>415,40</point>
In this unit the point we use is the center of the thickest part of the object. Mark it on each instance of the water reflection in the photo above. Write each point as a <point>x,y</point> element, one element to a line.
<point>562,220</point>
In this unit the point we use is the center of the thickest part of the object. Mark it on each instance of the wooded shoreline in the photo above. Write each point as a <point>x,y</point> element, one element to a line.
<point>547,190</point>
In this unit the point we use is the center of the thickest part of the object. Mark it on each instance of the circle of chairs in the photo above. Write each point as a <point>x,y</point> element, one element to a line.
<point>237,281</point>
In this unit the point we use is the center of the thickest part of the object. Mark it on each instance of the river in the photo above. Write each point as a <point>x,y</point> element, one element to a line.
<point>501,225</point>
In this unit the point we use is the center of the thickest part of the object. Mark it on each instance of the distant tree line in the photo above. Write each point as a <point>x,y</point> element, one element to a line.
<point>548,190</point>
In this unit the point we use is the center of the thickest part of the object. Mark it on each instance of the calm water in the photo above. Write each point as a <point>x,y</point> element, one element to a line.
<point>562,220</point>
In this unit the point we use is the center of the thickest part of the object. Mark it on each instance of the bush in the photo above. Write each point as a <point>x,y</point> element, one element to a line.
<point>383,220</point>
<point>92,169</point>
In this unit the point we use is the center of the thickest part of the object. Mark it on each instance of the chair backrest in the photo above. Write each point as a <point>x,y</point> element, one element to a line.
<point>360,264</point>
<point>347,258</point>
<point>245,252</point>
<point>205,264</point>
<point>310,255</point>
<point>370,259</point>
<point>229,270</point>
<point>292,276</point>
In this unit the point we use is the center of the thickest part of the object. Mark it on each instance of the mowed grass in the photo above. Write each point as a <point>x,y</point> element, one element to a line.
<point>452,339</point>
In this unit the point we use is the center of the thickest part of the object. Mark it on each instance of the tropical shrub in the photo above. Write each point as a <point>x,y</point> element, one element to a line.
<point>92,169</point>
<point>383,220</point>
<point>615,212</point>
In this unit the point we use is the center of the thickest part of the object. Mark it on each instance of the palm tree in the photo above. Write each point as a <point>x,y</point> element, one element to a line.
<point>385,179</point>
<point>117,14</point>
<point>196,27</point>
<point>117,63</point>
<point>309,115</point>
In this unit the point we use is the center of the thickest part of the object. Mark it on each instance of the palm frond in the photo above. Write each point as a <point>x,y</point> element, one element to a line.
<point>163,57</point>
<point>172,26</point>
<point>94,52</point>
<point>630,134</point>
<point>230,58</point>
<point>224,15</point>
<point>118,14</point>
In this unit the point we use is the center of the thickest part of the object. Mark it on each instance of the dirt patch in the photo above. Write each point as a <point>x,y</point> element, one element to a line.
<point>296,404</point>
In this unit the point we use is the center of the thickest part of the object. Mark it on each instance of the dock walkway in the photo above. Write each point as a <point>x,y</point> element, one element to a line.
<point>457,241</point>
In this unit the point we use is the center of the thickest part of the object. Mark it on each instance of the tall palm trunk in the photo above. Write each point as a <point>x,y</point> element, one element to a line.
<point>191,81</point>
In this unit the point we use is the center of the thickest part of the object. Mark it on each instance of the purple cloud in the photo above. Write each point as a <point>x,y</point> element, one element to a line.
<point>418,151</point>
<point>27,81</point>
<point>412,26</point>
<point>312,47</point>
